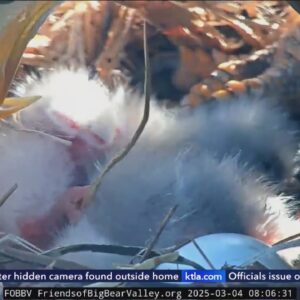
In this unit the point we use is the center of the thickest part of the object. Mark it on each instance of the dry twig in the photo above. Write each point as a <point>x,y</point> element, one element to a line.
<point>39,260</point>
<point>111,249</point>
<point>159,232</point>
<point>287,239</point>
<point>8,194</point>
<point>98,181</point>
<point>204,255</point>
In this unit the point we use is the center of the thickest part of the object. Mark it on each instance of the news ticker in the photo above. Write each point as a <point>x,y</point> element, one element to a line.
<point>148,293</point>
<point>184,276</point>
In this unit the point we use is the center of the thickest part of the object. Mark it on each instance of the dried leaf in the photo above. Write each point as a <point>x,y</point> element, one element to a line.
<point>13,105</point>
<point>16,34</point>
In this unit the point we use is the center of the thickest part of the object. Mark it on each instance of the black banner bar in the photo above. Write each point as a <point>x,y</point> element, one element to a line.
<point>149,293</point>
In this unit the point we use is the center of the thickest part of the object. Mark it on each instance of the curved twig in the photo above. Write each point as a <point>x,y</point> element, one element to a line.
<point>98,181</point>
<point>109,249</point>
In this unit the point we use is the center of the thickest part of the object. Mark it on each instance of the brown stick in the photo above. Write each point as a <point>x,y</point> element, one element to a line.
<point>159,232</point>
<point>203,254</point>
<point>98,181</point>
<point>41,260</point>
<point>287,239</point>
<point>8,194</point>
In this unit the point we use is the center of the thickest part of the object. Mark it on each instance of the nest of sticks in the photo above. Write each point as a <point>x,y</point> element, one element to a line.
<point>188,40</point>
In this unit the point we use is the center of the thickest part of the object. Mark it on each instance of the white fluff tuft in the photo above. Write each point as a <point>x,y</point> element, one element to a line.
<point>213,196</point>
<point>138,192</point>
<point>255,134</point>
<point>228,197</point>
<point>259,131</point>
<point>72,94</point>
<point>41,168</point>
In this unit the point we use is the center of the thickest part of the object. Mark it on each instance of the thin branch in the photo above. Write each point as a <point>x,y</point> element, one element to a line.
<point>287,239</point>
<point>203,254</point>
<point>185,261</point>
<point>175,247</point>
<point>38,259</point>
<point>110,249</point>
<point>147,89</point>
<point>8,194</point>
<point>206,258</point>
<point>38,132</point>
<point>154,262</point>
<point>286,245</point>
<point>158,234</point>
<point>173,258</point>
